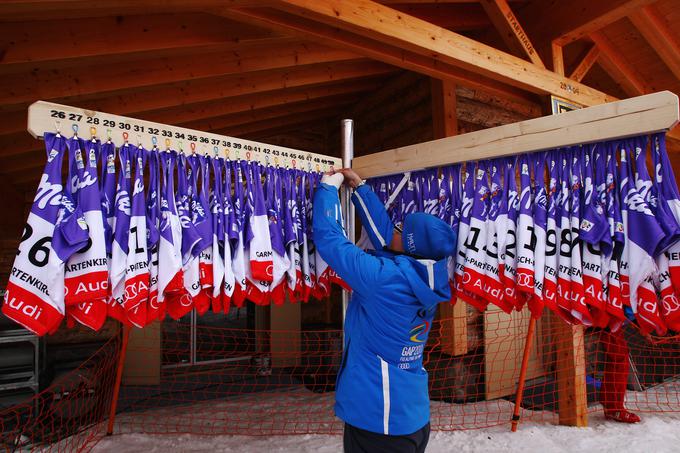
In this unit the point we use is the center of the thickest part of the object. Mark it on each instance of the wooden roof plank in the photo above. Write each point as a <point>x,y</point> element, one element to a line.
<point>511,30</point>
<point>388,26</point>
<point>279,53</point>
<point>620,70</point>
<point>657,33</point>
<point>249,116</point>
<point>568,21</point>
<point>28,45</point>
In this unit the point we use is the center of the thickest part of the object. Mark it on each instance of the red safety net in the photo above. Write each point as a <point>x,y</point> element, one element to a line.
<point>67,416</point>
<point>275,382</point>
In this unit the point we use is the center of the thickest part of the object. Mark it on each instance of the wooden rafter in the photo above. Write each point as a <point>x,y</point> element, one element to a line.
<point>20,88</point>
<point>659,36</point>
<point>567,21</point>
<point>438,46</point>
<point>618,68</point>
<point>511,30</point>
<point>585,64</point>
<point>458,17</point>
<point>236,87</point>
<point>377,50</point>
<point>398,2</point>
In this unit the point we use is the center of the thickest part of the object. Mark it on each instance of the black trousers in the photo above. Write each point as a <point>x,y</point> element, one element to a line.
<point>357,440</point>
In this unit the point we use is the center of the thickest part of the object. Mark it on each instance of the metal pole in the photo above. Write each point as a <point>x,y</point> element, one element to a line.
<point>119,377</point>
<point>347,153</point>
<point>523,373</point>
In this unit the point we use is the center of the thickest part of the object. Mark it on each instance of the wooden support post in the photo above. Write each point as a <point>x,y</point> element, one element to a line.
<point>570,373</point>
<point>119,377</point>
<point>445,124</point>
<point>286,340</point>
<point>523,373</point>
<point>558,58</point>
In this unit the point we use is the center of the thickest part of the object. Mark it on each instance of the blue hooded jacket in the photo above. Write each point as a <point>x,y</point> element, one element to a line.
<point>382,385</point>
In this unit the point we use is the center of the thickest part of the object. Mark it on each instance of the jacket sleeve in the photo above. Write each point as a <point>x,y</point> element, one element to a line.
<point>373,217</point>
<point>360,270</point>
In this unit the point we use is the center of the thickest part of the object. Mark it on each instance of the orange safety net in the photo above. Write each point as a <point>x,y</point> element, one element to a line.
<point>277,382</point>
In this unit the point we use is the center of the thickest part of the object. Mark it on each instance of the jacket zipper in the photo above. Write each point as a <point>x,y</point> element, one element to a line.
<point>344,358</point>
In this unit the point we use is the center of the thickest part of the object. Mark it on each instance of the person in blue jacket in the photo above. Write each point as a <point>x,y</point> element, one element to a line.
<point>382,392</point>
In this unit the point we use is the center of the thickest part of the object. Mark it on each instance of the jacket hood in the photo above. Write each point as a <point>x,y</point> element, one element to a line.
<point>429,279</point>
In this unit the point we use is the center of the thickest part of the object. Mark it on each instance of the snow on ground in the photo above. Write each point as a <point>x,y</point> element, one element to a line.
<point>654,434</point>
<point>271,412</point>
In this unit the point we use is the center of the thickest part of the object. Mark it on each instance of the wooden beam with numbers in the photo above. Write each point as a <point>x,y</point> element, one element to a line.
<point>511,30</point>
<point>635,116</point>
<point>193,93</point>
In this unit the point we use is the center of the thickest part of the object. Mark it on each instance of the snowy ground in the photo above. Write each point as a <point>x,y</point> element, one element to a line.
<point>654,434</point>
<point>657,433</point>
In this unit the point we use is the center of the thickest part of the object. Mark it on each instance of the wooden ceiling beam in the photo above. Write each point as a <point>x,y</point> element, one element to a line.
<point>399,2</point>
<point>460,17</point>
<point>39,44</point>
<point>585,64</point>
<point>268,54</point>
<point>567,21</point>
<point>392,54</point>
<point>512,32</point>
<point>217,89</point>
<point>440,47</point>
<point>618,68</point>
<point>657,33</point>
